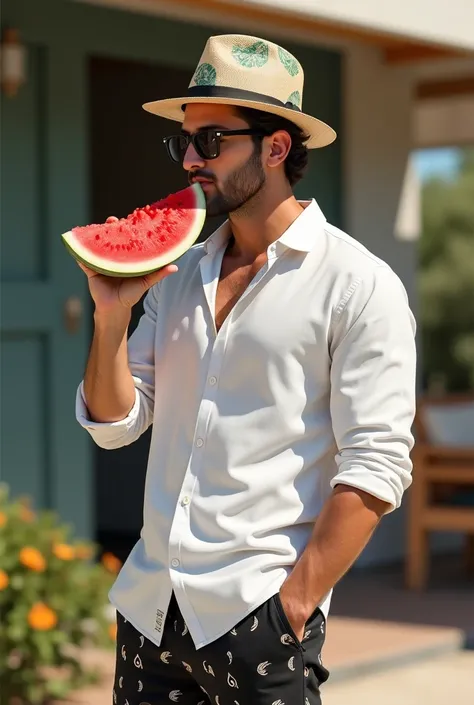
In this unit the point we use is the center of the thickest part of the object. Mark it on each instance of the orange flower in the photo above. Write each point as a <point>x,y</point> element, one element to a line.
<point>113,631</point>
<point>26,514</point>
<point>32,558</point>
<point>111,562</point>
<point>3,519</point>
<point>84,552</point>
<point>3,580</point>
<point>41,617</point>
<point>64,551</point>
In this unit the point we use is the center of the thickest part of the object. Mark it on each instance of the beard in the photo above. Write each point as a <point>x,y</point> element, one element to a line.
<point>239,189</point>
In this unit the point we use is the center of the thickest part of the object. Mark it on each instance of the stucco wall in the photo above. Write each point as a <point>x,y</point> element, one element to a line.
<point>376,151</point>
<point>379,136</point>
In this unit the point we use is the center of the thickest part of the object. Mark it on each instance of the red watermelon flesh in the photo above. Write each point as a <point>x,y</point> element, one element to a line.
<point>146,240</point>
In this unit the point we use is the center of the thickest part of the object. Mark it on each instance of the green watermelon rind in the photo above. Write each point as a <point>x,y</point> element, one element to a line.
<point>108,267</point>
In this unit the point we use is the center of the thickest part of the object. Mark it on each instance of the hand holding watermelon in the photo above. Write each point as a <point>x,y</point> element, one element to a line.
<point>112,293</point>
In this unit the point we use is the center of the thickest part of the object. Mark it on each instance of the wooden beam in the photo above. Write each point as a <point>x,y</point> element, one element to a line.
<point>447,88</point>
<point>395,49</point>
<point>450,474</point>
<point>452,519</point>
<point>410,52</point>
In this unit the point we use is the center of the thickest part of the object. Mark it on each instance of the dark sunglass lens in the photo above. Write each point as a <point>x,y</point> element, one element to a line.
<point>207,144</point>
<point>183,146</point>
<point>173,148</point>
<point>177,145</point>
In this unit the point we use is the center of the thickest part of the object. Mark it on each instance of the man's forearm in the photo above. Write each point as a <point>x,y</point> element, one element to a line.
<point>341,532</point>
<point>108,383</point>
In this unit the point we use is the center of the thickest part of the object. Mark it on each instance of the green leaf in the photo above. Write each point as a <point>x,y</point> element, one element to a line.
<point>295,98</point>
<point>58,688</point>
<point>288,61</point>
<point>35,693</point>
<point>45,647</point>
<point>205,75</point>
<point>251,56</point>
<point>17,631</point>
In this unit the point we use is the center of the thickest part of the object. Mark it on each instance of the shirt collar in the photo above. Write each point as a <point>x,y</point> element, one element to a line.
<point>304,231</point>
<point>218,238</point>
<point>301,235</point>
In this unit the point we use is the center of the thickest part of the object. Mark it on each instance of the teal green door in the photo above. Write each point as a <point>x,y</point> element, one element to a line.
<point>44,453</point>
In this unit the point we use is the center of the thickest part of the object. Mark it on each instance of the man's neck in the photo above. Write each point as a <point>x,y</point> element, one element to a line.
<point>263,222</point>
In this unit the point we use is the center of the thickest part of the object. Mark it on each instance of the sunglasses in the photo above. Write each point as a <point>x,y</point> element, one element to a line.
<point>207,143</point>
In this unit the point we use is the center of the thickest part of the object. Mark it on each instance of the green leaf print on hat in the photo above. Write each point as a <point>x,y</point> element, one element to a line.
<point>252,56</point>
<point>288,61</point>
<point>205,75</point>
<point>295,98</point>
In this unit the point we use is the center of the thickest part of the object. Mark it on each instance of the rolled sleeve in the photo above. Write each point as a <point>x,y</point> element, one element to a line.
<point>373,372</point>
<point>141,356</point>
<point>108,435</point>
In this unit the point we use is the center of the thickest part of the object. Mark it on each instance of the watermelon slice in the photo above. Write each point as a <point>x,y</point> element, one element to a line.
<point>146,240</point>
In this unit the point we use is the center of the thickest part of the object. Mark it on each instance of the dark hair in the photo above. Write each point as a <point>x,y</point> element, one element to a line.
<point>296,161</point>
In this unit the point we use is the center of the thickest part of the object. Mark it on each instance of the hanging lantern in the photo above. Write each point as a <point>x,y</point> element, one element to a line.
<point>13,62</point>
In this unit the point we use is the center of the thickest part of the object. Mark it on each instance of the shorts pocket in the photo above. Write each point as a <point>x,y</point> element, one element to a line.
<point>288,636</point>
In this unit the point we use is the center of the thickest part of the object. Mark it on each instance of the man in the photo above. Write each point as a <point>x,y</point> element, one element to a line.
<point>276,363</point>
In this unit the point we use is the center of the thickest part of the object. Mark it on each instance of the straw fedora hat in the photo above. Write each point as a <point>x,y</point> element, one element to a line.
<point>236,69</point>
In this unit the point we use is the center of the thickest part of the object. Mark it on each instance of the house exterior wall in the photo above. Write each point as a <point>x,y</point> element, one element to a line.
<point>378,138</point>
<point>383,126</point>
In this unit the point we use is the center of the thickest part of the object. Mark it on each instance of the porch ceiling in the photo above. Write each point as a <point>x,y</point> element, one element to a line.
<point>414,36</point>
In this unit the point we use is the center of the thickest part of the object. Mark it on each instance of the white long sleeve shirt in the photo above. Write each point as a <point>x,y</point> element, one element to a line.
<point>310,382</point>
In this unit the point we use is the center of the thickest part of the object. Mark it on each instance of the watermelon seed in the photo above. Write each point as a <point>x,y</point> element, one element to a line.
<point>97,237</point>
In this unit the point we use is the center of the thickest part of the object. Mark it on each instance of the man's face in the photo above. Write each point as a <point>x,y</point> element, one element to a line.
<point>236,176</point>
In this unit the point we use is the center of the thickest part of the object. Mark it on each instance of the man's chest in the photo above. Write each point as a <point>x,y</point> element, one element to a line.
<point>233,281</point>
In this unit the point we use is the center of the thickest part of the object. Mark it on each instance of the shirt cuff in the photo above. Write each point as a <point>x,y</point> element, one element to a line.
<point>82,414</point>
<point>375,485</point>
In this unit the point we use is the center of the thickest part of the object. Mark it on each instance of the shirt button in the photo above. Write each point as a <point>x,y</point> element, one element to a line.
<point>175,562</point>
<point>199,442</point>
<point>212,380</point>
<point>185,501</point>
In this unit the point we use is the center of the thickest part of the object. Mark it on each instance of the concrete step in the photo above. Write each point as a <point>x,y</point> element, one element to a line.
<point>356,647</point>
<point>436,681</point>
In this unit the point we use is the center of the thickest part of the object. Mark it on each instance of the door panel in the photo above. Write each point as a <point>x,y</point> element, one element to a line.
<point>44,453</point>
<point>23,120</point>
<point>24,438</point>
<point>25,289</point>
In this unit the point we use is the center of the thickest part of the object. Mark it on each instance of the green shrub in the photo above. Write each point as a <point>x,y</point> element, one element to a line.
<point>53,601</point>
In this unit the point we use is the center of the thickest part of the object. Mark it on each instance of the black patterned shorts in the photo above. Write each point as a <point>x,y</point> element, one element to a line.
<point>259,662</point>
